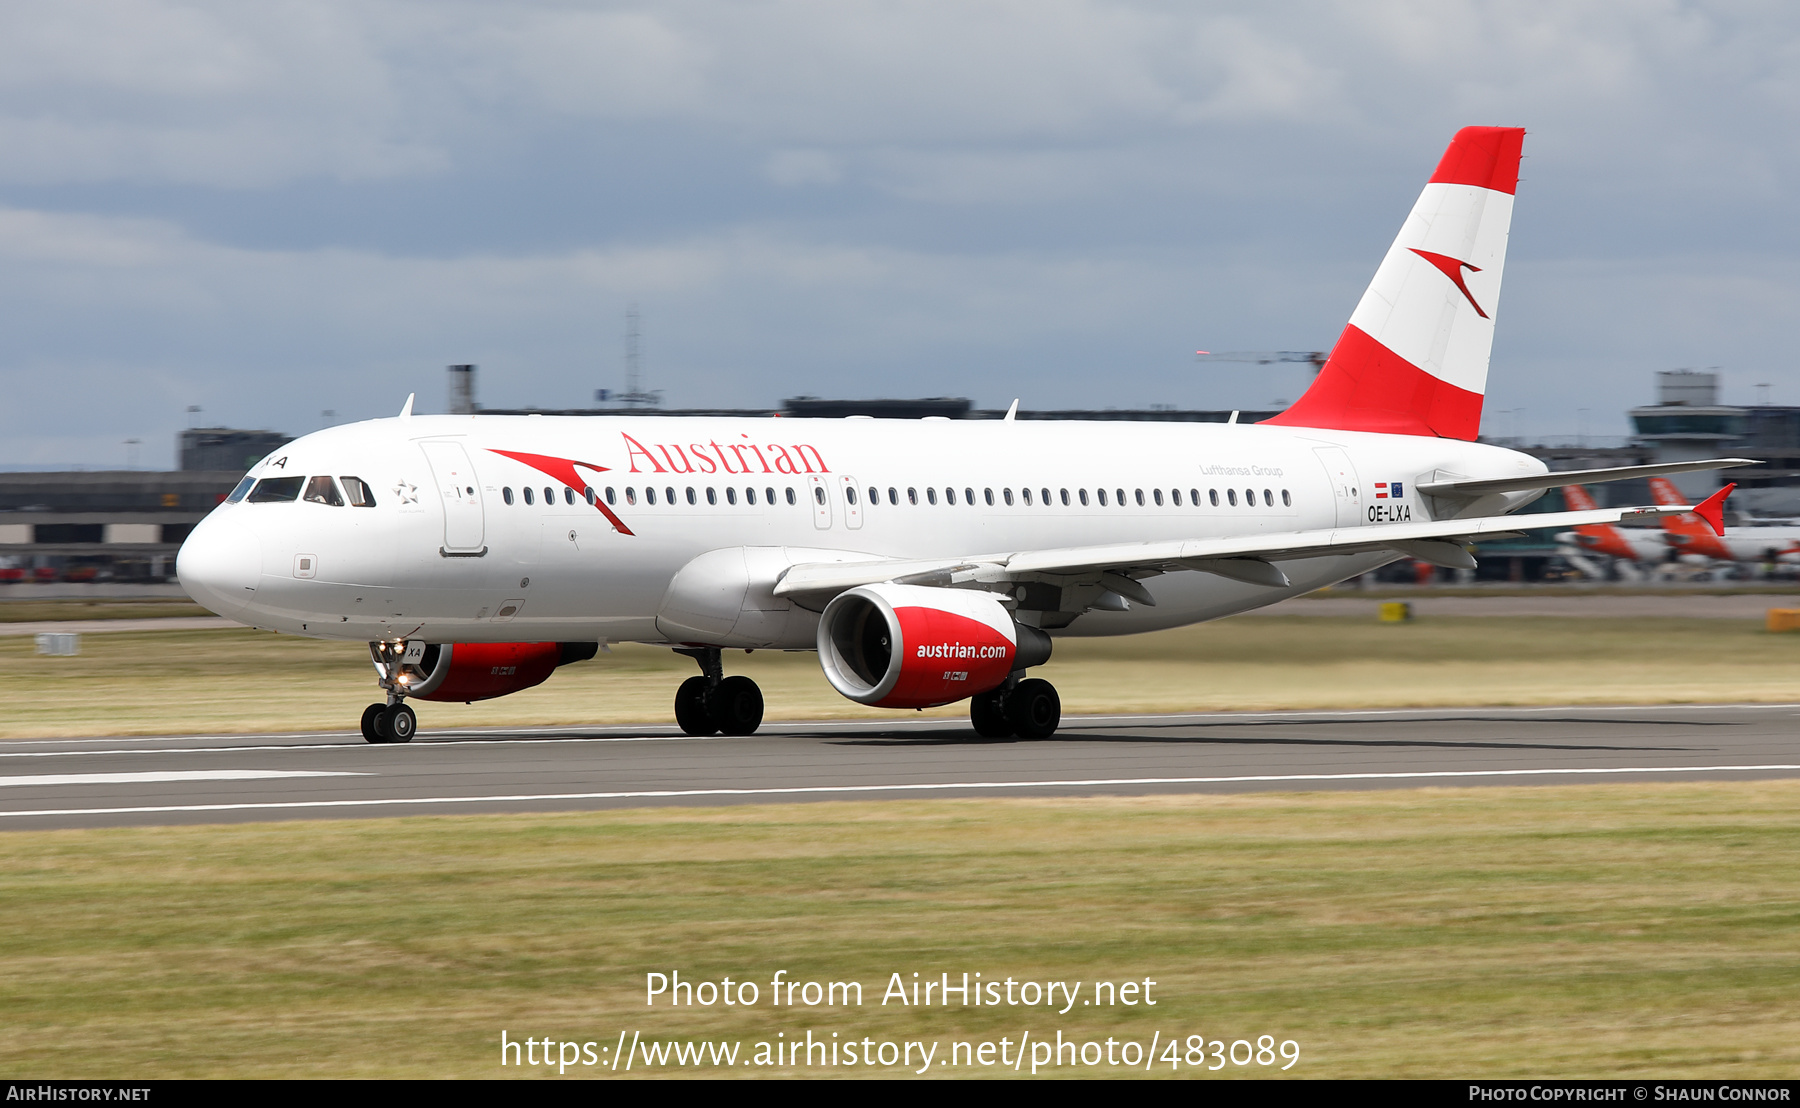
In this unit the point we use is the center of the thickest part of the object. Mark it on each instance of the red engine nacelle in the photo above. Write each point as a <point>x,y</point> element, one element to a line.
<point>483,670</point>
<point>911,646</point>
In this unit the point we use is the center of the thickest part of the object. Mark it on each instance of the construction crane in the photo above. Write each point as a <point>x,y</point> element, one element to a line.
<point>1314,358</point>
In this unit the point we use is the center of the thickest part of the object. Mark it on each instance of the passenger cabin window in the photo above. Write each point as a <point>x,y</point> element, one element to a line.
<point>1082,493</point>
<point>949,496</point>
<point>1121,493</point>
<point>506,494</point>
<point>850,493</point>
<point>1101,493</point>
<point>1140,498</point>
<point>1194,496</point>
<point>1213,495</point>
<point>893,495</point>
<point>612,496</point>
<point>276,490</point>
<point>791,498</point>
<point>323,490</point>
<point>549,496</point>
<point>568,494</point>
<point>819,493</point>
<point>712,496</point>
<point>630,496</point>
<point>912,496</point>
<point>730,495</point>
<point>969,497</point>
<point>930,496</point>
<point>650,496</point>
<point>530,497</point>
<point>1231,497</point>
<point>1157,495</point>
<point>769,494</point>
<point>243,487</point>
<point>587,494</point>
<point>1286,500</point>
<point>1007,495</point>
<point>690,495</point>
<point>1268,498</point>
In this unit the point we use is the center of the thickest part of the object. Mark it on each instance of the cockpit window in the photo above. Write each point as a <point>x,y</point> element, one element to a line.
<point>276,490</point>
<point>243,487</point>
<point>321,490</point>
<point>359,492</point>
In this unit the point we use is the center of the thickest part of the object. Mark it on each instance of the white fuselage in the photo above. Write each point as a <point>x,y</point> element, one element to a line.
<point>464,557</point>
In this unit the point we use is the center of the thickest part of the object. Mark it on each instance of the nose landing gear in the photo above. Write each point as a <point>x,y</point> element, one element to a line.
<point>391,721</point>
<point>715,704</point>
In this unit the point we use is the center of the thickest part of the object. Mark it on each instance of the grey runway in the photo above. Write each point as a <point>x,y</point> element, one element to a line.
<point>234,778</point>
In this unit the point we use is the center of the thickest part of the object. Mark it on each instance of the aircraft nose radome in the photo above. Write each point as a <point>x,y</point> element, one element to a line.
<point>219,565</point>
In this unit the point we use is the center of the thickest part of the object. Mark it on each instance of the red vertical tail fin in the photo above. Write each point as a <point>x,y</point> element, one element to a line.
<point>1414,358</point>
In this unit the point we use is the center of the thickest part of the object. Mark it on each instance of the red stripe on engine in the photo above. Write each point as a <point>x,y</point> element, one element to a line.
<point>944,660</point>
<point>1487,157</point>
<point>1367,387</point>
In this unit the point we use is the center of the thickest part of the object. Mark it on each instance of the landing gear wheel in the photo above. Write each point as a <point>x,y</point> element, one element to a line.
<point>1034,709</point>
<point>987,711</point>
<point>736,706</point>
<point>399,723</point>
<point>371,723</point>
<point>690,707</point>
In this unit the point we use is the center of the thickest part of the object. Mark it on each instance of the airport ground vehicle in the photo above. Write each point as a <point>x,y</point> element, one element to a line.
<point>927,561</point>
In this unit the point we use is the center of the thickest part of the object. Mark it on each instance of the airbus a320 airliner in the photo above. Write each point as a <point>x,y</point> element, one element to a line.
<point>927,561</point>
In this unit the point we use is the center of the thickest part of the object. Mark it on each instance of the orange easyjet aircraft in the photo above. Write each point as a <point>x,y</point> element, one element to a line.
<point>1688,534</point>
<point>1634,544</point>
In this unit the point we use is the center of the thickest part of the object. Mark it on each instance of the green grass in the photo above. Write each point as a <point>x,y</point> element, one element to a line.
<point>1619,931</point>
<point>239,680</point>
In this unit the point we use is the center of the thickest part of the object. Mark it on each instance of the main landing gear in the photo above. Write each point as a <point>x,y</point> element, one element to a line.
<point>389,723</point>
<point>715,704</point>
<point>1029,709</point>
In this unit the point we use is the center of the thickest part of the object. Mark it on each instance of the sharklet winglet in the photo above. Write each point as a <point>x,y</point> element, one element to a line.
<point>1712,509</point>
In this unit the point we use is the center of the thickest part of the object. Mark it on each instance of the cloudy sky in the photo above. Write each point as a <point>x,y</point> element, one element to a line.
<point>275,209</point>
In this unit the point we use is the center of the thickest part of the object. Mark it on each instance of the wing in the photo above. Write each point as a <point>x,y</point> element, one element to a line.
<point>1555,480</point>
<point>1251,558</point>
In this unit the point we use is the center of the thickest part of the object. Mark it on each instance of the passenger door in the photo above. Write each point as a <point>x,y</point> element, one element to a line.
<point>1346,489</point>
<point>458,490</point>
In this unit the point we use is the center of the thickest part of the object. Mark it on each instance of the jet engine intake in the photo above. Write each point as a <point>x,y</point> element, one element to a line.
<point>914,646</point>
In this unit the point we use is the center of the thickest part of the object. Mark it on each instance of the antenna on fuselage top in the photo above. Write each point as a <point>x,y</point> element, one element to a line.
<point>1012,411</point>
<point>406,411</point>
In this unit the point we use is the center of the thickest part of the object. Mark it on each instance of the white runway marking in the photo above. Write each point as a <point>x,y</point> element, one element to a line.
<point>167,775</point>
<point>816,790</point>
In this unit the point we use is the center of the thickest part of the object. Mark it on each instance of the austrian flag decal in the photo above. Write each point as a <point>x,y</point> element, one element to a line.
<point>1386,489</point>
